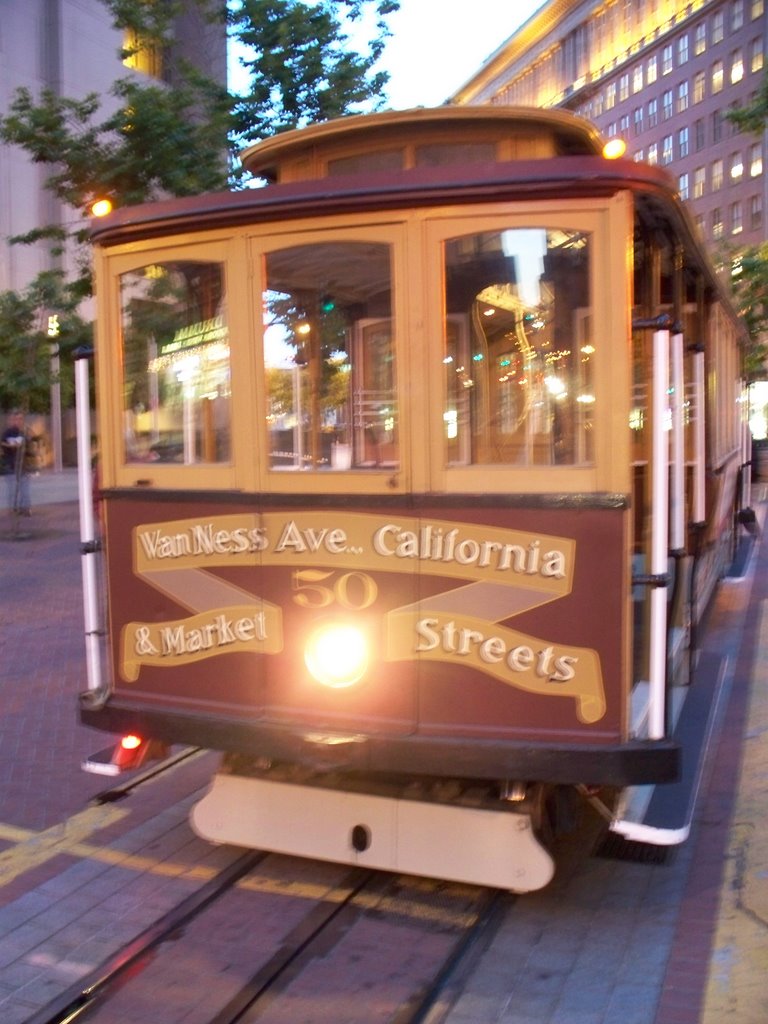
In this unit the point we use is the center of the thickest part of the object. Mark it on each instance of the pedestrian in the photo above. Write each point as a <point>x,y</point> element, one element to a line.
<point>16,461</point>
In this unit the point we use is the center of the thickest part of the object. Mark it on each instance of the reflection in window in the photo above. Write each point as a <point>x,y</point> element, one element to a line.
<point>329,357</point>
<point>518,348</point>
<point>176,382</point>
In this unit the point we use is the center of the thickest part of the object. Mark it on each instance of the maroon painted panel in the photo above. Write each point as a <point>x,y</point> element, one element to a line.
<point>477,621</point>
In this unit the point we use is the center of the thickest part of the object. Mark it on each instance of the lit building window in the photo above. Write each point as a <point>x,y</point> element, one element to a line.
<point>700,38</point>
<point>699,86</point>
<point>666,149</point>
<point>666,60</point>
<point>141,56</point>
<point>682,49</point>
<point>682,142</point>
<point>666,104</point>
<point>717,175</point>
<point>610,96</point>
<point>758,7</point>
<point>653,113</point>
<point>639,156</point>
<point>737,167</point>
<point>682,97</point>
<point>652,72</point>
<point>682,186</point>
<point>755,160</point>
<point>756,55</point>
<point>637,78</point>
<point>737,67</point>
<point>699,180</point>
<point>737,218</point>
<point>653,153</point>
<point>717,223</point>
<point>717,76</point>
<point>624,87</point>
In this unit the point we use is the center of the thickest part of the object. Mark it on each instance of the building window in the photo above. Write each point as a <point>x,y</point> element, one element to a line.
<point>682,186</point>
<point>699,86</point>
<point>666,149</point>
<point>737,15</point>
<point>639,156</point>
<point>682,49</point>
<point>653,113</point>
<point>624,126</point>
<point>737,218</point>
<point>699,179</point>
<point>666,60</point>
<point>717,27</point>
<point>737,167</point>
<point>756,55</point>
<point>717,175</point>
<point>624,87</point>
<point>755,160</point>
<point>142,56</point>
<point>717,223</point>
<point>699,134</point>
<point>758,7</point>
<point>652,71</point>
<point>755,213</point>
<point>638,120</point>
<point>700,38</point>
<point>682,142</point>
<point>682,97</point>
<point>737,67</point>
<point>637,78</point>
<point>610,96</point>
<point>666,105</point>
<point>653,153</point>
<point>717,125</point>
<point>717,77</point>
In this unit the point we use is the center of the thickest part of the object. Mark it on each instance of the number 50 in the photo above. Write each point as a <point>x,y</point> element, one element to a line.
<point>314,588</point>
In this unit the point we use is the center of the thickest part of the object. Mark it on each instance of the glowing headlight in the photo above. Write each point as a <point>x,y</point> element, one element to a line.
<point>336,656</point>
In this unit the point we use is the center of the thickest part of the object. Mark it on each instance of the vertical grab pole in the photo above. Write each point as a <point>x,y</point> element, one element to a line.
<point>746,457</point>
<point>659,536</point>
<point>699,465</point>
<point>89,544</point>
<point>677,527</point>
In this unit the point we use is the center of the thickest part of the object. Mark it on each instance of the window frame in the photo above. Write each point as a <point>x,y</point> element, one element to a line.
<point>609,224</point>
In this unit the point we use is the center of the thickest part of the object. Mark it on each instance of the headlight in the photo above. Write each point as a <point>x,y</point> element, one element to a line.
<point>336,655</point>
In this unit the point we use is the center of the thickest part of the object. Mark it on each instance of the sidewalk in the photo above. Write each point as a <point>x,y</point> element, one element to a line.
<point>51,487</point>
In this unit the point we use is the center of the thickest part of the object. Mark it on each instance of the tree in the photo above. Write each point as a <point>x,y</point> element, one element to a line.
<point>749,267</point>
<point>27,337</point>
<point>301,66</point>
<point>173,139</point>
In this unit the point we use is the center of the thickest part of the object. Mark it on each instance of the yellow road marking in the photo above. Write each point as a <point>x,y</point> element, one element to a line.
<point>35,848</point>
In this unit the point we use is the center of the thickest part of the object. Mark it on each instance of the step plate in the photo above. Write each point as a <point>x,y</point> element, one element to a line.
<point>461,844</point>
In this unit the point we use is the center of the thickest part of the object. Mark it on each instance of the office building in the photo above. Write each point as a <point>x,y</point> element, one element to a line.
<point>662,74</point>
<point>72,48</point>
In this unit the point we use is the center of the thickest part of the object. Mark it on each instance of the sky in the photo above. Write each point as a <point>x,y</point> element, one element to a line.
<point>437,45</point>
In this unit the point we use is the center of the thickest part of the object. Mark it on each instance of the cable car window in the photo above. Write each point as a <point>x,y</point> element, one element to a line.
<point>329,357</point>
<point>519,348</point>
<point>176,366</point>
